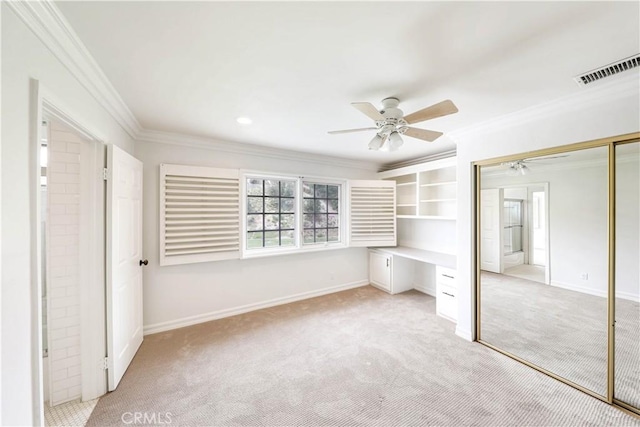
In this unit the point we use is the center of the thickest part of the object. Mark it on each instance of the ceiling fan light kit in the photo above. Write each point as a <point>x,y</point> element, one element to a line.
<point>391,123</point>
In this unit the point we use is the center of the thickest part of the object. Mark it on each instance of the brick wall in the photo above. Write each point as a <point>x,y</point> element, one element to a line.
<point>63,190</point>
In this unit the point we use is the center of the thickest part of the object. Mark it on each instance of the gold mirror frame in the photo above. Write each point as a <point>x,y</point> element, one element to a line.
<point>611,143</point>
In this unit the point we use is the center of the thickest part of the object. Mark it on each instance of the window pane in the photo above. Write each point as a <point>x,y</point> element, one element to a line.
<point>333,205</point>
<point>321,235</point>
<point>271,238</point>
<point>308,206</point>
<point>321,220</point>
<point>332,220</point>
<point>286,205</point>
<point>287,238</point>
<point>271,222</point>
<point>287,188</point>
<point>271,207</point>
<point>254,240</point>
<point>321,206</point>
<point>307,190</point>
<point>334,235</point>
<point>271,187</point>
<point>307,236</point>
<point>255,204</point>
<point>254,222</point>
<point>307,221</point>
<point>321,191</point>
<point>287,221</point>
<point>332,191</point>
<point>254,187</point>
<point>272,204</point>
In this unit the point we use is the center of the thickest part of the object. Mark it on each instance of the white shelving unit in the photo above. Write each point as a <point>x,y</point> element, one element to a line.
<point>426,191</point>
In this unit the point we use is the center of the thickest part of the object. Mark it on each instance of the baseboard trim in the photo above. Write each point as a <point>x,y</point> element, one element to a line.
<point>467,335</point>
<point>603,294</point>
<point>431,291</point>
<point>228,312</point>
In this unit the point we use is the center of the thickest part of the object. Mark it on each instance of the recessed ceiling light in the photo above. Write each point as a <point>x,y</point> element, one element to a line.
<point>244,120</point>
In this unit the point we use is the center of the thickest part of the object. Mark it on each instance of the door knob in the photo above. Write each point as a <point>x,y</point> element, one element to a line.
<point>145,262</point>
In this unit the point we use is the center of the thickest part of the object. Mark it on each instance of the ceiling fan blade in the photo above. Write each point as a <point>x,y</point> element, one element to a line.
<point>437,110</point>
<point>368,109</point>
<point>545,158</point>
<point>426,135</point>
<point>337,132</point>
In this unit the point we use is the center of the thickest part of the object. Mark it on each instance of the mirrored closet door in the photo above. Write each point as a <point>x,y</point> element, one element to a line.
<point>558,264</point>
<point>544,262</point>
<point>627,275</point>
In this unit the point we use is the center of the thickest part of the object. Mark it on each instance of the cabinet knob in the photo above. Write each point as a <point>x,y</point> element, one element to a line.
<point>145,262</point>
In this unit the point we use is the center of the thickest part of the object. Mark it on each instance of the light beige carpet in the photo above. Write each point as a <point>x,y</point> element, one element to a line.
<point>359,357</point>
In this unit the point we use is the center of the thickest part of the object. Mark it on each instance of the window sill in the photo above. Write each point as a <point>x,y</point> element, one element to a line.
<point>249,254</point>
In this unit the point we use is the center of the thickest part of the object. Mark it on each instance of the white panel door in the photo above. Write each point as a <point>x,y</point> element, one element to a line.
<point>491,230</point>
<point>124,262</point>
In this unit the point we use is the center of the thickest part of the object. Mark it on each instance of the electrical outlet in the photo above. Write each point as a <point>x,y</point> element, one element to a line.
<point>584,276</point>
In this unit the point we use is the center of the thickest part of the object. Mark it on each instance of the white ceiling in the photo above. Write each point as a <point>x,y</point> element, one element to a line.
<point>294,67</point>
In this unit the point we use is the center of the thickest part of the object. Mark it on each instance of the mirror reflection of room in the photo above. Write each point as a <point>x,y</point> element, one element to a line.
<point>627,274</point>
<point>544,262</point>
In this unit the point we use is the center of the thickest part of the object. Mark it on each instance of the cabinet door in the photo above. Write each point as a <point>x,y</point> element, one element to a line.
<point>380,270</point>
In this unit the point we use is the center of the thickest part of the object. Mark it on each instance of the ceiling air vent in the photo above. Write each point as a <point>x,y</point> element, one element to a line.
<point>608,70</point>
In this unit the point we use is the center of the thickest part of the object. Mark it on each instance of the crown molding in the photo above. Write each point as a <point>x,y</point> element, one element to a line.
<point>622,86</point>
<point>182,140</point>
<point>51,27</point>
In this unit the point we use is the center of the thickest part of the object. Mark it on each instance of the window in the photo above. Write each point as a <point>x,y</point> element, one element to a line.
<point>289,214</point>
<point>321,213</point>
<point>271,210</point>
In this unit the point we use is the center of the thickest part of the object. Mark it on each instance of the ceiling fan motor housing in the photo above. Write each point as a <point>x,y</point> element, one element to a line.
<point>390,109</point>
<point>393,117</point>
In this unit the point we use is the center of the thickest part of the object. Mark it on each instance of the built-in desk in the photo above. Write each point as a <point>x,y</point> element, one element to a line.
<point>393,270</point>
<point>430,257</point>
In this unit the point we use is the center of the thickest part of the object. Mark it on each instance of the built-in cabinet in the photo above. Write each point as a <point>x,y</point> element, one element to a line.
<point>446,293</point>
<point>390,273</point>
<point>425,191</point>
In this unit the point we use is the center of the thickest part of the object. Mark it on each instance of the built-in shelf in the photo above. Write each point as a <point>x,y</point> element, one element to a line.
<point>435,184</point>
<point>437,200</point>
<point>425,191</point>
<point>443,218</point>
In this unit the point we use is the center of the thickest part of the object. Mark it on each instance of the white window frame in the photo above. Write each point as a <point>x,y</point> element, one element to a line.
<point>299,246</point>
<point>342,216</point>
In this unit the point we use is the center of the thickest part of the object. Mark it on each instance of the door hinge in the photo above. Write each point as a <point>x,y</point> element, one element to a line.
<point>105,174</point>
<point>105,363</point>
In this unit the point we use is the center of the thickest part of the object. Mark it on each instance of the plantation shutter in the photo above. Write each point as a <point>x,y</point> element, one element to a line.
<point>372,213</point>
<point>199,214</point>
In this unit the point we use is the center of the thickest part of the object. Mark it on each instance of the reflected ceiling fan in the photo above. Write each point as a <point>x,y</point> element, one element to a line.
<point>519,167</point>
<point>391,123</point>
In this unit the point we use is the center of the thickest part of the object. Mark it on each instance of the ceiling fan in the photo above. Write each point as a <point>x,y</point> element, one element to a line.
<point>519,167</point>
<point>391,123</point>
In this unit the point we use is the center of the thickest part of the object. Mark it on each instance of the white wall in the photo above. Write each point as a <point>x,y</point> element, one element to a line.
<point>183,294</point>
<point>603,111</point>
<point>427,234</point>
<point>628,221</point>
<point>24,57</point>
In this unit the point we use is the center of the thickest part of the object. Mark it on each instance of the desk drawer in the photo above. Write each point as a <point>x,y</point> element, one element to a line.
<point>446,276</point>
<point>447,301</point>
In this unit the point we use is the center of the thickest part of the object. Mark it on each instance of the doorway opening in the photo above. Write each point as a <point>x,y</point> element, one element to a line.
<point>71,288</point>
<point>515,233</point>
